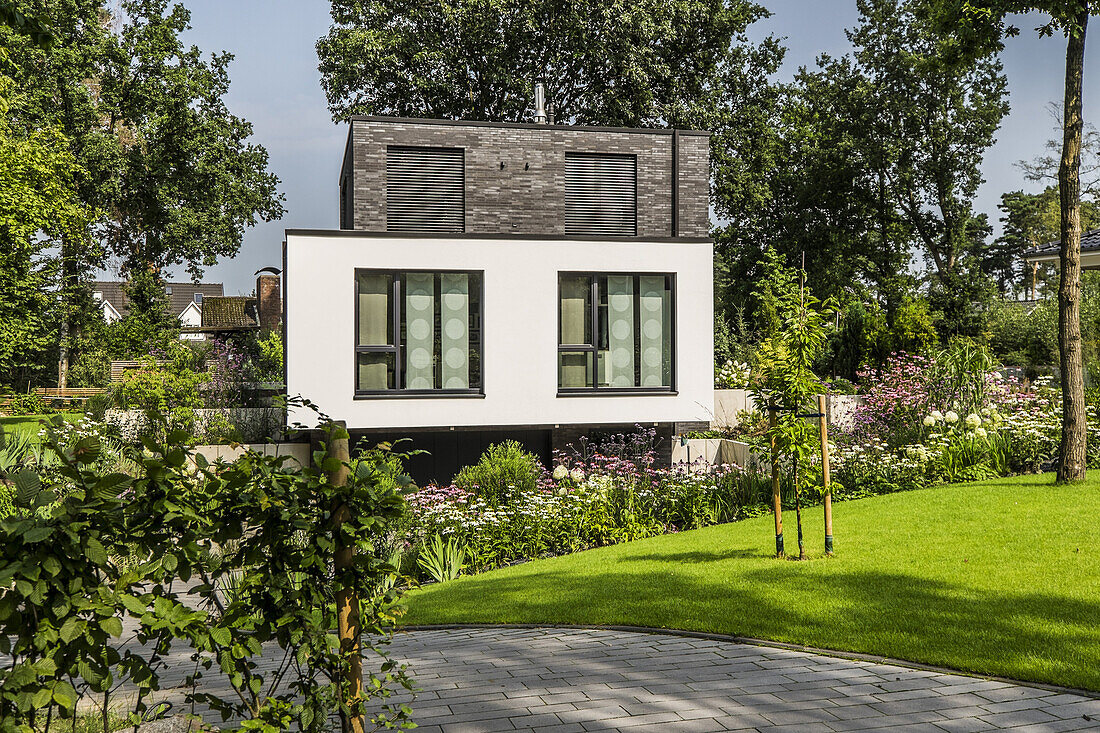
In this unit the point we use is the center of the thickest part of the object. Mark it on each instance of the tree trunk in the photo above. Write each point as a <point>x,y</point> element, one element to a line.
<point>66,293</point>
<point>1071,462</point>
<point>798,513</point>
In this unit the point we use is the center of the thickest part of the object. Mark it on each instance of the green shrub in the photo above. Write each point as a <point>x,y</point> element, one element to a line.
<point>60,548</point>
<point>29,403</point>
<point>96,406</point>
<point>502,473</point>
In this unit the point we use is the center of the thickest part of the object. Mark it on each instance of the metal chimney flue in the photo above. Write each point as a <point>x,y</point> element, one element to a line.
<point>540,103</point>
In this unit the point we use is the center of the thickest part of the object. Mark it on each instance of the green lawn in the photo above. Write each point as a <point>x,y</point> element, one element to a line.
<point>1000,578</point>
<point>31,424</point>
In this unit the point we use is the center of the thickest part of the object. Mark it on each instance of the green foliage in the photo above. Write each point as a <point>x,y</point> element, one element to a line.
<point>442,560</point>
<point>629,64</point>
<point>788,385</point>
<point>267,364</point>
<point>37,176</point>
<point>28,403</point>
<point>67,593</point>
<point>503,472</point>
<point>171,393</point>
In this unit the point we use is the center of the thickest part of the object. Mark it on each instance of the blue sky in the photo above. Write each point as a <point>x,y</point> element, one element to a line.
<point>275,85</point>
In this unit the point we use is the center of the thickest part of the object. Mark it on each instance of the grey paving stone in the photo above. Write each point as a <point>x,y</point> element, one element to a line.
<point>573,681</point>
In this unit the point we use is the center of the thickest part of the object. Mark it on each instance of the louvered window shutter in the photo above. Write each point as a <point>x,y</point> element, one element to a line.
<point>601,194</point>
<point>425,189</point>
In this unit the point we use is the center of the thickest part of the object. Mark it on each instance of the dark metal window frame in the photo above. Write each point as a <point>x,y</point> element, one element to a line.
<point>395,295</point>
<point>603,154</point>
<point>434,148</point>
<point>594,335</point>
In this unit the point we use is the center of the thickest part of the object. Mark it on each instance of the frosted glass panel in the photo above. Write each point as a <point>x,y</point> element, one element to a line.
<point>576,326</point>
<point>575,369</point>
<point>620,331</point>
<point>419,330</point>
<point>374,313</point>
<point>655,331</point>
<point>374,371</point>
<point>454,318</point>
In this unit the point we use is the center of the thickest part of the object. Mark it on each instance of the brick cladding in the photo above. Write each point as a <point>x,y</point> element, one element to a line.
<point>527,195</point>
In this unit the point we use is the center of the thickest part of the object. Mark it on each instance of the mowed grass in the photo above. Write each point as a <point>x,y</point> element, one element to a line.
<point>998,578</point>
<point>30,424</point>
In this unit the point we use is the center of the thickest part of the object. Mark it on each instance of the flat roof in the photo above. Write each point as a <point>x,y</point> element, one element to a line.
<point>474,235</point>
<point>523,125</point>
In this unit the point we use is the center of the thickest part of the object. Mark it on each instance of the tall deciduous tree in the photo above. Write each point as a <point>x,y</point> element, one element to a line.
<point>169,171</point>
<point>36,198</point>
<point>935,115</point>
<point>1070,17</point>
<point>631,63</point>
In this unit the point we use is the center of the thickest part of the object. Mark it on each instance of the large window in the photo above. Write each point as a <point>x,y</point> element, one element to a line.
<point>615,332</point>
<point>417,332</point>
<point>601,194</point>
<point>425,189</point>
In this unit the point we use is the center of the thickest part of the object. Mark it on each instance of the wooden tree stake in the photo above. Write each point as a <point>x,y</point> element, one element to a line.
<point>824,421</point>
<point>777,497</point>
<point>347,599</point>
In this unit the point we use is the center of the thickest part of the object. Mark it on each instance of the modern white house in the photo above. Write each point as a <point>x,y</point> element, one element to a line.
<point>532,281</point>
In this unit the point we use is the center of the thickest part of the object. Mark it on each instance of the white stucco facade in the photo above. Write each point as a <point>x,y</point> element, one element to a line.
<point>519,328</point>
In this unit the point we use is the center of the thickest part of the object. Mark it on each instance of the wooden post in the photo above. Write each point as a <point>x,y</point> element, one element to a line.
<point>347,599</point>
<point>777,497</point>
<point>824,421</point>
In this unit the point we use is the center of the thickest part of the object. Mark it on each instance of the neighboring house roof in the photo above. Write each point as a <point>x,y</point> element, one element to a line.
<point>1090,242</point>
<point>230,313</point>
<point>180,295</point>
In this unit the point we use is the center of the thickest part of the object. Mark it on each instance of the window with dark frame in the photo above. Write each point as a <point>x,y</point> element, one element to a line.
<point>601,194</point>
<point>425,189</point>
<point>417,332</point>
<point>615,331</point>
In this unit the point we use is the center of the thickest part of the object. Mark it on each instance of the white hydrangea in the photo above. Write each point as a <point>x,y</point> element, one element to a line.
<point>951,417</point>
<point>560,472</point>
<point>973,420</point>
<point>936,415</point>
<point>929,421</point>
<point>577,475</point>
<point>980,432</point>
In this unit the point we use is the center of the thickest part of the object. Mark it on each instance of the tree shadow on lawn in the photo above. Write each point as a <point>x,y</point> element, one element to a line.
<point>698,556</point>
<point>1017,634</point>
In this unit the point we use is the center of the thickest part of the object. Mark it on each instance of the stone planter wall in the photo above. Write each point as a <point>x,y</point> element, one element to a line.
<point>298,452</point>
<point>254,423</point>
<point>704,452</point>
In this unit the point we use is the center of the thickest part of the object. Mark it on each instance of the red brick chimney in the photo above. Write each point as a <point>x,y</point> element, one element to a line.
<point>269,302</point>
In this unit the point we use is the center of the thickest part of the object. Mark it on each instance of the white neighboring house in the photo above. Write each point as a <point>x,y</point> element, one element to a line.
<point>532,281</point>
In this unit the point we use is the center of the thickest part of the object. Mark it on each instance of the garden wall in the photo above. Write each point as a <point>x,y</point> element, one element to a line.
<point>298,452</point>
<point>252,424</point>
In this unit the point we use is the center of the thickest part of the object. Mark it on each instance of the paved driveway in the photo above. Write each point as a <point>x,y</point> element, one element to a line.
<point>566,680</point>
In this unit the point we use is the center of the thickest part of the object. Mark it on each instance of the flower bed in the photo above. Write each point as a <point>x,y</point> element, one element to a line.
<point>585,502</point>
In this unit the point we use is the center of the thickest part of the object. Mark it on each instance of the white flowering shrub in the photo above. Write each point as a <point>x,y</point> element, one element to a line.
<point>732,375</point>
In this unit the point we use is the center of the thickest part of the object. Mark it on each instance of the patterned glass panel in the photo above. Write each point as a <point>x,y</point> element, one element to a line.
<point>620,330</point>
<point>419,330</point>
<point>655,338</point>
<point>454,318</point>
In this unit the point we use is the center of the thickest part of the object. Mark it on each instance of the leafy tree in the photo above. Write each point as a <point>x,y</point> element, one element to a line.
<point>935,115</point>
<point>611,62</point>
<point>788,384</point>
<point>36,198</point>
<point>167,170</point>
<point>189,182</point>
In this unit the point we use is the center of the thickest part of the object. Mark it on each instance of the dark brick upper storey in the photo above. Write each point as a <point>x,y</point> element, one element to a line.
<point>527,195</point>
